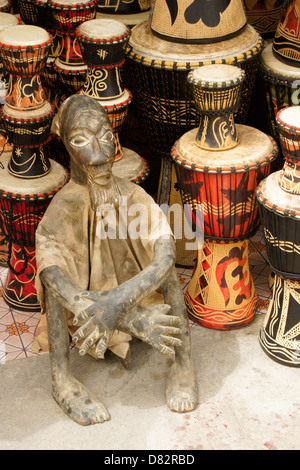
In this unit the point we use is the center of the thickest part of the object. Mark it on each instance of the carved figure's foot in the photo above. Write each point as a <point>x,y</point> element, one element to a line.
<point>181,389</point>
<point>79,404</point>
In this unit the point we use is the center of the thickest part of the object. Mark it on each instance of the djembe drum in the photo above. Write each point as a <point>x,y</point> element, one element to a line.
<point>286,44</point>
<point>156,72</point>
<point>103,44</point>
<point>22,206</point>
<point>68,15</point>
<point>130,13</point>
<point>222,183</point>
<point>279,204</point>
<point>26,115</point>
<point>6,20</point>
<point>281,83</point>
<point>264,15</point>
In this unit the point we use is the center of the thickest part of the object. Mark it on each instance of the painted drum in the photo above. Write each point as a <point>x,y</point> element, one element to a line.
<point>23,203</point>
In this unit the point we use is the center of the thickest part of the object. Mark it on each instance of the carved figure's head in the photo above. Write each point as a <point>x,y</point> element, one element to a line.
<point>85,129</point>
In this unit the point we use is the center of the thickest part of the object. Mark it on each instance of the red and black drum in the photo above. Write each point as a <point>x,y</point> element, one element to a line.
<point>218,192</point>
<point>5,6</point>
<point>103,43</point>
<point>279,203</point>
<point>6,20</point>
<point>264,15</point>
<point>156,72</point>
<point>281,85</point>
<point>68,15</point>
<point>28,131</point>
<point>123,7</point>
<point>117,110</point>
<point>71,79</point>
<point>36,12</point>
<point>22,206</point>
<point>24,51</point>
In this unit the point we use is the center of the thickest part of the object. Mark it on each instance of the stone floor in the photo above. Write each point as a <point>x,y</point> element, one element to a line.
<point>246,400</point>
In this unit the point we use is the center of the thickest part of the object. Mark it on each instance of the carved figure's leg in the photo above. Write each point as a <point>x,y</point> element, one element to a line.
<point>181,389</point>
<point>75,400</point>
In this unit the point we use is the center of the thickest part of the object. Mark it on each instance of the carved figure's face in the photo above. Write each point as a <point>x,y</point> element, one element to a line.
<point>91,143</point>
<point>88,137</point>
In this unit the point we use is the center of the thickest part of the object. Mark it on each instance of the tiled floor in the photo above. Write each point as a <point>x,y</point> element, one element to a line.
<point>17,328</point>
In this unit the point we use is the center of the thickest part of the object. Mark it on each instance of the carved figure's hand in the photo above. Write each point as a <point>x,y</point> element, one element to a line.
<point>98,320</point>
<point>155,326</point>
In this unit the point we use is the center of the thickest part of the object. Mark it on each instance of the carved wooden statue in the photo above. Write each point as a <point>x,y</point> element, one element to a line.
<point>99,272</point>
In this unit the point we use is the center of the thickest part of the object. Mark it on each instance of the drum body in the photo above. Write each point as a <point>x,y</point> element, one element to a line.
<point>20,215</point>
<point>28,131</point>
<point>286,44</point>
<point>68,15</point>
<point>123,7</point>
<point>221,293</point>
<point>264,15</point>
<point>281,83</point>
<point>70,78</point>
<point>36,12</point>
<point>103,44</point>
<point>24,64</point>
<point>279,201</point>
<point>156,73</point>
<point>117,110</point>
<point>280,214</point>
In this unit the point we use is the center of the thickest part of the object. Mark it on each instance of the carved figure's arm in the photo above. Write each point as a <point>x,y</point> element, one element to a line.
<point>99,313</point>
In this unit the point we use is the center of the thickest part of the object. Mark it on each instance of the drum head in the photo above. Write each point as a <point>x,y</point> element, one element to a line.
<point>6,19</point>
<point>278,200</point>
<point>102,29</point>
<point>290,117</point>
<point>23,36</point>
<point>216,75</point>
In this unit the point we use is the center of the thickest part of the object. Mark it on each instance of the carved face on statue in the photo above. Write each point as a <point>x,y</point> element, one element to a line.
<point>87,134</point>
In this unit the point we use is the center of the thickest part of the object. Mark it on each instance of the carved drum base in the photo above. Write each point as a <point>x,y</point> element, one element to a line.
<point>221,293</point>
<point>19,290</point>
<point>280,333</point>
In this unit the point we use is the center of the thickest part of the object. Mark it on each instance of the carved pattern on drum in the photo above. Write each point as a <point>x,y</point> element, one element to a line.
<point>221,294</point>
<point>290,178</point>
<point>95,82</point>
<point>280,336</point>
<point>102,53</point>
<point>169,111</point>
<point>24,93</point>
<point>283,245</point>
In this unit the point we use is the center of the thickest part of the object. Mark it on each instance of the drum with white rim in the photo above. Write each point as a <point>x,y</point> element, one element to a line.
<point>24,51</point>
<point>103,44</point>
<point>281,83</point>
<point>217,93</point>
<point>156,73</point>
